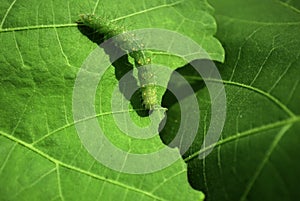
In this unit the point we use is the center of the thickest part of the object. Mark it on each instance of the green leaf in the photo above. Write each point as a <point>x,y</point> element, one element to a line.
<point>257,156</point>
<point>42,49</point>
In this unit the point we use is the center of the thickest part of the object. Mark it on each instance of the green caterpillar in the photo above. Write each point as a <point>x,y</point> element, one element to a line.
<point>130,44</point>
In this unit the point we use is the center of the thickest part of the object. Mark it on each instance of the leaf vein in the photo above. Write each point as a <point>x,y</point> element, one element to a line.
<point>6,14</point>
<point>289,6</point>
<point>280,77</point>
<point>232,19</point>
<point>269,96</point>
<point>32,27</point>
<point>269,152</point>
<point>246,133</point>
<point>7,157</point>
<point>76,169</point>
<point>96,6</point>
<point>147,10</point>
<point>59,183</point>
<point>34,183</point>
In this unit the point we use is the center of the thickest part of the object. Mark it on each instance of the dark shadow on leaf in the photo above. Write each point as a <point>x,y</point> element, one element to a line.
<point>172,124</point>
<point>186,71</point>
<point>171,102</point>
<point>122,67</point>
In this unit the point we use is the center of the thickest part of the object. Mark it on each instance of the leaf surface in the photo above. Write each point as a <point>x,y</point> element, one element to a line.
<point>257,155</point>
<point>41,155</point>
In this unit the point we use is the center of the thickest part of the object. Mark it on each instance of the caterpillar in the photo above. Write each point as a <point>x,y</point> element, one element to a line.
<point>133,46</point>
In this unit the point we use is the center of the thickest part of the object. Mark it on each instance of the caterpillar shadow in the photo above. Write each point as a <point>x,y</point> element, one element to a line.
<point>122,67</point>
<point>171,127</point>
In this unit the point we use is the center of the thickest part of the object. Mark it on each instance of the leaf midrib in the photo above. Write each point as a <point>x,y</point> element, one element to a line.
<point>32,27</point>
<point>75,24</point>
<point>246,133</point>
<point>60,163</point>
<point>293,118</point>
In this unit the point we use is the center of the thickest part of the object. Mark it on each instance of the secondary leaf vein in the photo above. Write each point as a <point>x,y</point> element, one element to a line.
<point>76,169</point>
